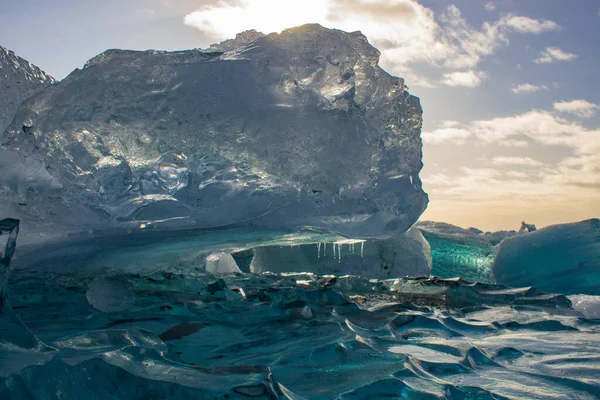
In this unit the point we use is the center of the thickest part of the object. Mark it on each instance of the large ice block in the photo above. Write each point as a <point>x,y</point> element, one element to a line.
<point>290,130</point>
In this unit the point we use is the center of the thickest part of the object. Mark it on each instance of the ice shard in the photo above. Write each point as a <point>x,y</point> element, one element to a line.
<point>561,258</point>
<point>12,331</point>
<point>283,131</point>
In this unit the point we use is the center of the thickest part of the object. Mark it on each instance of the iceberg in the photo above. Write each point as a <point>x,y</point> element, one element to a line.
<point>561,258</point>
<point>278,132</point>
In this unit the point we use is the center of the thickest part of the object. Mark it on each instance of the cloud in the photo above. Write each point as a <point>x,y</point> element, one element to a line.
<point>225,18</point>
<point>468,78</point>
<point>529,25</point>
<point>444,135</point>
<point>518,174</point>
<point>537,126</point>
<point>490,6</point>
<point>520,161</point>
<point>406,32</point>
<point>547,193</point>
<point>581,108</point>
<point>528,88</point>
<point>553,54</point>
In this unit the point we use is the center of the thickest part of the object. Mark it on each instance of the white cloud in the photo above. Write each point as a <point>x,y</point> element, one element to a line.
<point>520,161</point>
<point>406,32</point>
<point>581,108</point>
<point>552,54</point>
<point>517,131</point>
<point>490,6</point>
<point>528,88</point>
<point>539,126</point>
<point>517,174</point>
<point>528,25</point>
<point>468,78</point>
<point>447,134</point>
<point>225,18</point>
<point>415,79</point>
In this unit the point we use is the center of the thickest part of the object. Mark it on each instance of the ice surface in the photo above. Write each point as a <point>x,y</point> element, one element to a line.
<point>560,258</point>
<point>19,80</point>
<point>296,129</point>
<point>141,309</point>
<point>406,254</point>
<point>110,294</point>
<point>302,336</point>
<point>458,252</point>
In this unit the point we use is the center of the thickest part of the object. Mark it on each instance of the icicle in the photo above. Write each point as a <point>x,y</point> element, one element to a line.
<point>340,247</point>
<point>319,250</point>
<point>325,249</point>
<point>362,249</point>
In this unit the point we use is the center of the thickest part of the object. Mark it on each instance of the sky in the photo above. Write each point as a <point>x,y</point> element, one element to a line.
<point>509,88</point>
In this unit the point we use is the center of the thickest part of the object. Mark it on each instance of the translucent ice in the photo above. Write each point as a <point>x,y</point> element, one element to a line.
<point>458,252</point>
<point>586,304</point>
<point>221,263</point>
<point>19,79</point>
<point>560,258</point>
<point>290,130</point>
<point>405,254</point>
<point>12,330</point>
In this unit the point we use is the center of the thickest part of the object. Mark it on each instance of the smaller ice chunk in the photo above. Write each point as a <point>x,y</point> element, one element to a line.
<point>587,305</point>
<point>221,263</point>
<point>561,258</point>
<point>525,227</point>
<point>111,294</point>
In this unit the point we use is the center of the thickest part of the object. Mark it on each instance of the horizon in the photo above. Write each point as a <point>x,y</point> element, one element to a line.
<point>534,158</point>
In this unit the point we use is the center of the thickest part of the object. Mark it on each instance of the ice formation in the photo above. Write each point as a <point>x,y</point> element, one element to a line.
<point>221,263</point>
<point>405,254</point>
<point>561,258</point>
<point>19,79</point>
<point>458,252</point>
<point>12,330</point>
<point>291,130</point>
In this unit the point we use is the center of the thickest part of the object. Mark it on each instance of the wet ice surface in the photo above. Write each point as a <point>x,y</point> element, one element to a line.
<point>298,336</point>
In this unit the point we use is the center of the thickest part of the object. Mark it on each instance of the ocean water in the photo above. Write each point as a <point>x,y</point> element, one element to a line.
<point>180,333</point>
